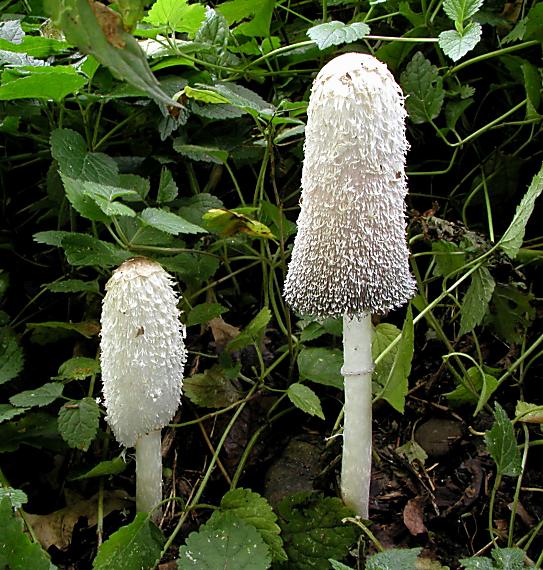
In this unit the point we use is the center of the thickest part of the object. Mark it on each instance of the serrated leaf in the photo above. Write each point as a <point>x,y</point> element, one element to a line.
<point>136,545</point>
<point>305,399</point>
<point>16,497</point>
<point>41,396</point>
<point>211,389</point>
<point>112,467</point>
<point>313,530</point>
<point>256,16</point>
<point>476,301</point>
<point>336,33</point>
<point>321,365</point>
<point>204,312</point>
<point>504,559</point>
<point>534,23</point>
<point>456,44</point>
<point>8,411</point>
<point>11,355</point>
<point>200,153</point>
<point>36,429</point>
<point>252,333</point>
<point>392,374</point>
<point>529,413</point>
<point>513,237</point>
<point>404,558</point>
<point>243,98</point>
<point>73,286</point>
<point>167,188</point>
<point>17,552</point>
<point>483,384</point>
<point>193,208</point>
<point>230,222</point>
<point>502,444</point>
<point>78,368</point>
<point>512,312</point>
<point>177,15</point>
<point>461,10</point>
<point>424,87</point>
<point>192,268</point>
<point>256,511</point>
<point>78,423</point>
<point>449,257</point>
<point>169,222</point>
<point>85,250</point>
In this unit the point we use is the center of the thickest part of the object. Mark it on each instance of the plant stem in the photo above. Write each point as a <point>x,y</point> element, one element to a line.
<point>357,370</point>
<point>149,473</point>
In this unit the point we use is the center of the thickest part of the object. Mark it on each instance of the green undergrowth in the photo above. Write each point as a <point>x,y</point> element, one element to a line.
<point>175,130</point>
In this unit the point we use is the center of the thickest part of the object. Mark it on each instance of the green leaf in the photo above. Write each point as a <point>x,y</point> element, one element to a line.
<point>42,83</point>
<point>338,565</point>
<point>8,411</point>
<point>193,208</point>
<point>321,365</point>
<point>252,333</point>
<point>477,563</point>
<point>192,268</point>
<point>259,15</point>
<point>476,301</point>
<point>448,256</point>
<point>177,15</point>
<point>199,152</point>
<point>313,530</point>
<point>11,355</point>
<point>16,497</point>
<point>136,545</point>
<point>36,429</point>
<point>529,413</point>
<point>39,397</point>
<point>167,188</point>
<point>404,558</point>
<point>168,222</point>
<point>73,286</point>
<point>502,444</point>
<point>336,33</point>
<point>483,386</point>
<point>105,39</point>
<point>243,98</point>
<point>534,23</point>
<point>392,374</point>
<point>424,89</point>
<point>78,368</point>
<point>229,222</point>
<point>85,250</point>
<point>305,399</point>
<point>17,552</point>
<point>253,509</point>
<point>456,44</point>
<point>112,467</point>
<point>86,328</point>
<point>512,312</point>
<point>204,95</point>
<point>211,389</point>
<point>504,559</point>
<point>461,10</point>
<point>532,84</point>
<point>225,542</point>
<point>513,237</point>
<point>78,423</point>
<point>203,313</point>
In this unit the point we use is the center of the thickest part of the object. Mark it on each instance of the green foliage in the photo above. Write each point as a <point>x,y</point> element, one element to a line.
<point>336,33</point>
<point>137,545</point>
<point>11,355</point>
<point>176,15</point>
<point>321,365</point>
<point>394,558</point>
<point>502,559</point>
<point>211,389</point>
<point>502,444</point>
<point>253,332</point>
<point>16,497</point>
<point>78,423</point>
<point>203,313</point>
<point>113,467</point>
<point>476,300</point>
<point>39,397</point>
<point>304,398</point>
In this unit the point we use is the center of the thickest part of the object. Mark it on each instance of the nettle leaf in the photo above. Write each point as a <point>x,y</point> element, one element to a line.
<point>167,188</point>
<point>168,222</point>
<point>256,511</point>
<point>252,333</point>
<point>313,530</point>
<point>211,389</point>
<point>424,87</point>
<point>85,250</point>
<point>502,444</point>
<point>336,33</point>
<point>199,152</point>
<point>259,15</point>
<point>11,355</point>
<point>73,286</point>
<point>177,15</point>
<point>305,399</point>
<point>513,237</point>
<point>7,412</point>
<point>16,497</point>
<point>18,552</point>
<point>78,423</point>
<point>41,396</point>
<point>136,545</point>
<point>476,300</point>
<point>460,10</point>
<point>321,365</point>
<point>104,468</point>
<point>78,368</point>
<point>392,372</point>
<point>204,312</point>
<point>504,559</point>
<point>404,558</point>
<point>534,23</point>
<point>225,542</point>
<point>42,83</point>
<point>456,44</point>
<point>243,98</point>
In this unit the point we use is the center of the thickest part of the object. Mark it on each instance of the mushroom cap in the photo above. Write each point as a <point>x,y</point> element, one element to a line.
<point>350,253</point>
<point>142,349</point>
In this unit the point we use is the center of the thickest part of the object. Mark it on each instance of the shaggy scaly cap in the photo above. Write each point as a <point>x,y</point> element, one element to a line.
<point>350,254</point>
<point>142,350</point>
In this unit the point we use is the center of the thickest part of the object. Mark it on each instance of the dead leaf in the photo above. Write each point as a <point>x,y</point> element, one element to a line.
<point>413,516</point>
<point>222,332</point>
<point>110,22</point>
<point>57,527</point>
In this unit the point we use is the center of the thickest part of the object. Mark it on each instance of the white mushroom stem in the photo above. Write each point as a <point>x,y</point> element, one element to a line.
<point>357,372</point>
<point>149,473</point>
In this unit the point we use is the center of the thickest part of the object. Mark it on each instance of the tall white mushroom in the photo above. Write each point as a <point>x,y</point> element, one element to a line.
<point>350,255</point>
<point>142,360</point>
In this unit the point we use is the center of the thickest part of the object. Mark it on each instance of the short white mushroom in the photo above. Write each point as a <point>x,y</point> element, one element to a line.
<point>142,360</point>
<point>350,255</point>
